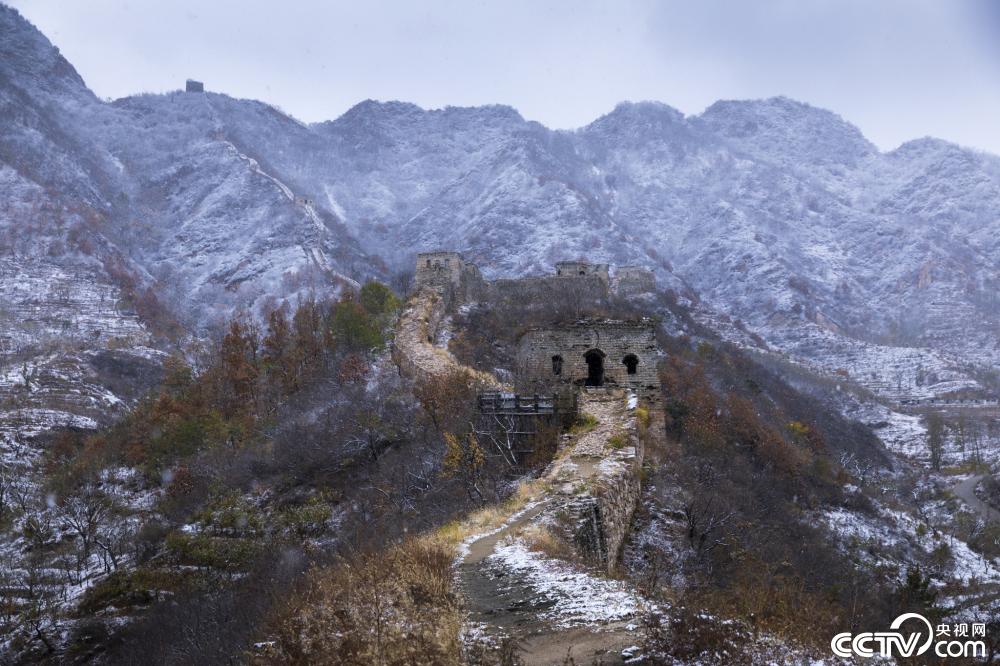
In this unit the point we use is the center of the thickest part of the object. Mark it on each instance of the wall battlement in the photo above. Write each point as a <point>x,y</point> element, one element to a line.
<point>571,269</point>
<point>451,275</point>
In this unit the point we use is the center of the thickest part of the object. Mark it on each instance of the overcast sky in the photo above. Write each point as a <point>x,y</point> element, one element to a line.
<point>899,69</point>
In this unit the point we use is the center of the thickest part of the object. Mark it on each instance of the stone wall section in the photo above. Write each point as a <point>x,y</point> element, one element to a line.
<point>584,289</point>
<point>447,273</point>
<point>460,281</point>
<point>595,482</point>
<point>573,269</point>
<point>413,348</point>
<point>595,479</point>
<point>632,281</point>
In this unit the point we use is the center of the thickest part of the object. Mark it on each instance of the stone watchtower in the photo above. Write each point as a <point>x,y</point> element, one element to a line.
<point>193,86</point>
<point>592,352</point>
<point>439,270</point>
<point>448,274</point>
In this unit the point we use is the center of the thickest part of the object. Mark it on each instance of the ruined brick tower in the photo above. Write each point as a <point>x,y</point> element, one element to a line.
<point>448,274</point>
<point>592,353</point>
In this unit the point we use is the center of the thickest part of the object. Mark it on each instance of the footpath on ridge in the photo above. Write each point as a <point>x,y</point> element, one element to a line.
<point>540,578</point>
<point>552,606</point>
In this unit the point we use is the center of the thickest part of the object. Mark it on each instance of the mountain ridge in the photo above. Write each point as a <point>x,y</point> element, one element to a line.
<point>773,211</point>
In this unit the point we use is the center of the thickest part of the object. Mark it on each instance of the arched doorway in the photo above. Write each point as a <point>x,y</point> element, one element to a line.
<point>595,367</point>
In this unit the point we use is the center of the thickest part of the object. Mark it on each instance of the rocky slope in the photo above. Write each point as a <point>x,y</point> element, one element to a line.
<point>781,215</point>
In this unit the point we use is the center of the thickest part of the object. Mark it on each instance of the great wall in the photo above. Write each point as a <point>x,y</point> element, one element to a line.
<point>588,493</point>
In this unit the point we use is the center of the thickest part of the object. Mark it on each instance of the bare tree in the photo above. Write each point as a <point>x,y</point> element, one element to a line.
<point>21,492</point>
<point>502,431</point>
<point>84,512</point>
<point>860,468</point>
<point>113,540</point>
<point>705,521</point>
<point>935,439</point>
<point>6,489</point>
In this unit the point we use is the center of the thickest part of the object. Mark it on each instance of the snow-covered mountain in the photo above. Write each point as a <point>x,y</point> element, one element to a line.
<point>881,266</point>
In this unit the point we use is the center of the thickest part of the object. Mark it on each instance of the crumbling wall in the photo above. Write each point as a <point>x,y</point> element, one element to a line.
<point>580,291</point>
<point>633,281</point>
<point>600,519</point>
<point>596,483</point>
<point>616,494</point>
<point>447,273</point>
<point>413,348</point>
<point>472,286</point>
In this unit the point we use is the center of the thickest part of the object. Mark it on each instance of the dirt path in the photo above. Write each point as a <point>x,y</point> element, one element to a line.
<point>500,604</point>
<point>966,491</point>
<point>506,601</point>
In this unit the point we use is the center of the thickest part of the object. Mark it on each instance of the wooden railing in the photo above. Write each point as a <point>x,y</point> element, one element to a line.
<point>500,402</point>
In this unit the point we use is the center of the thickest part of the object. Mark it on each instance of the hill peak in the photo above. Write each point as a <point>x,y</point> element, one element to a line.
<point>30,61</point>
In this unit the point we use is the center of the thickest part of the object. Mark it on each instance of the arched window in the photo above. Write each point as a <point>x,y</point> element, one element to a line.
<point>428,263</point>
<point>557,362</point>
<point>631,362</point>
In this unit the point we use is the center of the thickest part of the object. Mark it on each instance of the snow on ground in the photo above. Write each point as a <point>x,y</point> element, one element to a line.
<point>892,537</point>
<point>578,597</point>
<point>465,545</point>
<point>895,372</point>
<point>971,434</point>
<point>904,434</point>
<point>852,526</point>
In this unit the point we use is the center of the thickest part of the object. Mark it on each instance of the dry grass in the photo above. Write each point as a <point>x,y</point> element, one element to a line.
<point>396,606</point>
<point>391,607</point>
<point>494,516</point>
<point>968,467</point>
<point>543,540</point>
<point>618,441</point>
<point>642,416</point>
<point>584,423</point>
